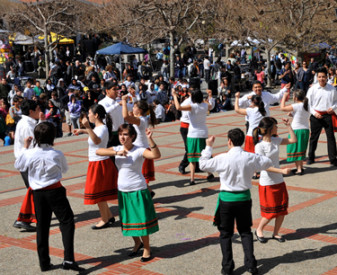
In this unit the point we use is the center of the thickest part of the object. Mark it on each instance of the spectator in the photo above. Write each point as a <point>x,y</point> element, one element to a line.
<point>74,107</point>
<point>37,89</point>
<point>159,111</point>
<point>4,89</point>
<point>28,92</point>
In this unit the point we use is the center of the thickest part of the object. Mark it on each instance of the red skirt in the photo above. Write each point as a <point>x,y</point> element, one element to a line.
<point>27,211</point>
<point>273,200</point>
<point>101,183</point>
<point>148,169</point>
<point>249,144</point>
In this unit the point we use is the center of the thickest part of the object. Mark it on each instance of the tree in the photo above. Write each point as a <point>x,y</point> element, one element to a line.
<point>144,21</point>
<point>44,17</point>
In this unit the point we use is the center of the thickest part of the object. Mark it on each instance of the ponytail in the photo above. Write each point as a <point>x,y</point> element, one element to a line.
<point>153,120</point>
<point>256,133</point>
<point>108,123</point>
<point>257,100</point>
<point>305,104</point>
<point>300,96</point>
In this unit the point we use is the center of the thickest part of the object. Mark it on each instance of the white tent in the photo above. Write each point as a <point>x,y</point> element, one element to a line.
<point>22,39</point>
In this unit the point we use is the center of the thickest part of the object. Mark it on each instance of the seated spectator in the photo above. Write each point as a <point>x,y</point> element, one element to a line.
<point>128,82</point>
<point>226,104</point>
<point>159,111</point>
<point>49,87</point>
<point>123,90</point>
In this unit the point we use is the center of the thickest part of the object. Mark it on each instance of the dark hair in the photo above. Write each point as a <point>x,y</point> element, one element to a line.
<point>102,114</point>
<point>145,108</point>
<point>17,98</point>
<point>265,127</point>
<point>257,100</point>
<point>109,84</point>
<point>156,101</point>
<point>322,70</point>
<point>300,95</point>
<point>197,96</point>
<point>257,82</point>
<point>27,105</point>
<point>237,136</point>
<point>131,130</point>
<point>44,133</point>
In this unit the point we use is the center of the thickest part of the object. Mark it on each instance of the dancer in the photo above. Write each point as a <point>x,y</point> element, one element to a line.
<point>300,125</point>
<point>235,169</point>
<point>143,116</point>
<point>322,100</point>
<point>197,130</point>
<point>255,112</point>
<point>101,183</point>
<point>49,194</point>
<point>136,210</point>
<point>272,189</point>
<point>31,112</point>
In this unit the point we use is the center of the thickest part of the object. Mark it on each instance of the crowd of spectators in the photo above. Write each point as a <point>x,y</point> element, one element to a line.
<point>76,81</point>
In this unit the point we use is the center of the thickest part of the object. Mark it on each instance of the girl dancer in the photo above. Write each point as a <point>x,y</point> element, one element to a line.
<point>300,124</point>
<point>136,210</point>
<point>272,189</point>
<point>101,183</point>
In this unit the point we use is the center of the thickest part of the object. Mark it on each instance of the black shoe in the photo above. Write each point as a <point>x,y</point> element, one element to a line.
<point>333,163</point>
<point>107,224</point>
<point>152,194</point>
<point>144,260</point>
<point>24,225</point>
<point>223,272</point>
<point>112,220</point>
<point>182,170</point>
<point>260,239</point>
<point>310,161</point>
<point>192,182</point>
<point>280,240</point>
<point>47,268</point>
<point>253,270</point>
<point>197,170</point>
<point>134,253</point>
<point>71,266</point>
<point>210,177</point>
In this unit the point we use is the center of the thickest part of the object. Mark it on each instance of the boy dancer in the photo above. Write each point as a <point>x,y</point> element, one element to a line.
<point>49,194</point>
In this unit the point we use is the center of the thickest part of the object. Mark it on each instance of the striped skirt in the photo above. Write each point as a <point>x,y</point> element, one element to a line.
<point>296,151</point>
<point>101,183</point>
<point>194,148</point>
<point>273,200</point>
<point>137,214</point>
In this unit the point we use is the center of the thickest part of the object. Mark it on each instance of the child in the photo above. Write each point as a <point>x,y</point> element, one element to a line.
<point>49,194</point>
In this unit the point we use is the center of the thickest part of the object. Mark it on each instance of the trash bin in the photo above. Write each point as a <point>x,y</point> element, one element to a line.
<point>213,85</point>
<point>28,66</point>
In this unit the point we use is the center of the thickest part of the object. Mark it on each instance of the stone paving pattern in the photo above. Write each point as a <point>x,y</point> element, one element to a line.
<point>187,242</point>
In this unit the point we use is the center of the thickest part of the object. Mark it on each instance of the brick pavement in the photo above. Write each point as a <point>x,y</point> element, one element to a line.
<point>187,243</point>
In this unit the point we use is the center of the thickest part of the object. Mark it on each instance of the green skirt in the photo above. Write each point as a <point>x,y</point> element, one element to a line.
<point>137,214</point>
<point>296,151</point>
<point>194,148</point>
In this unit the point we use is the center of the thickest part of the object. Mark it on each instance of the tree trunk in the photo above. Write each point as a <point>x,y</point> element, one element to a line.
<point>269,68</point>
<point>46,52</point>
<point>171,54</point>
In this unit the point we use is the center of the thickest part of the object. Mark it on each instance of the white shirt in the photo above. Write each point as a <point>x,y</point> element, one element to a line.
<point>300,117</point>
<point>235,168</point>
<point>197,127</point>
<point>113,108</point>
<point>24,129</point>
<point>322,98</point>
<point>160,112</point>
<point>254,118</point>
<point>185,114</point>
<point>45,165</point>
<point>103,133</point>
<point>267,98</point>
<point>130,177</point>
<point>207,64</point>
<point>270,150</point>
<point>141,140</point>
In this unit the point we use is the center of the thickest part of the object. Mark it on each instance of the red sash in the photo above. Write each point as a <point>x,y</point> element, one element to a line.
<point>333,118</point>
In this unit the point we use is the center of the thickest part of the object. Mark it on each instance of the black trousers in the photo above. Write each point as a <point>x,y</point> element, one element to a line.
<point>316,128</point>
<point>46,202</point>
<point>183,132</point>
<point>241,213</point>
<point>24,176</point>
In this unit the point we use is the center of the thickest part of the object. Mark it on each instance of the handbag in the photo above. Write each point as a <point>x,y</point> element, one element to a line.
<point>9,120</point>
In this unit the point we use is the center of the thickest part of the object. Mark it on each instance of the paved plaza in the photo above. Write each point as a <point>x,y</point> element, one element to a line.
<point>187,242</point>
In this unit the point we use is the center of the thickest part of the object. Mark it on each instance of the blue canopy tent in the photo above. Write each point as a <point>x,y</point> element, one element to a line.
<point>120,48</point>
